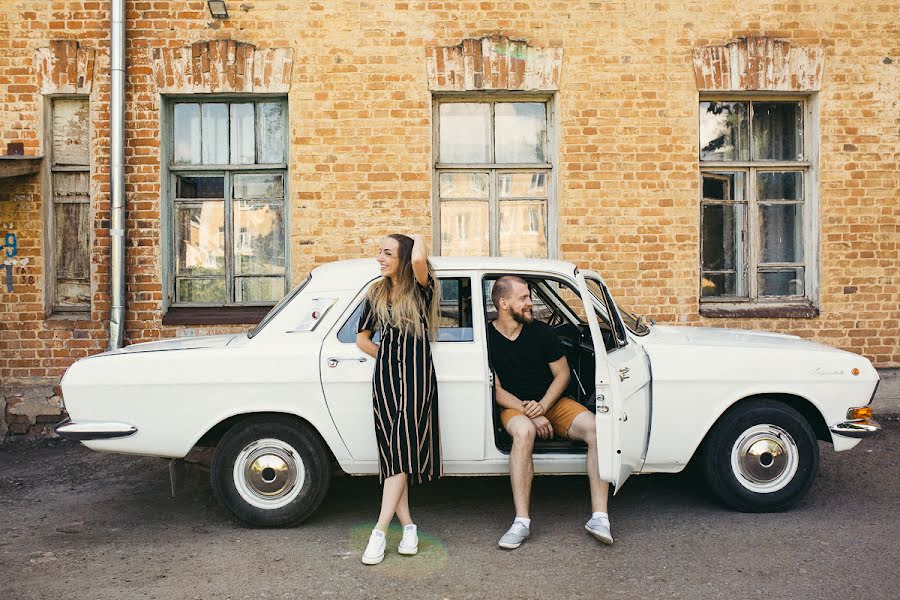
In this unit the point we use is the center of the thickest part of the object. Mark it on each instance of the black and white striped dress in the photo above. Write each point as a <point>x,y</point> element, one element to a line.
<point>404,393</point>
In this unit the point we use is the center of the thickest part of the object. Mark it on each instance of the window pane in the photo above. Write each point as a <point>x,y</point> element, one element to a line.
<point>781,233</point>
<point>70,187</point>
<point>520,132</point>
<point>523,185</point>
<point>523,230</point>
<point>724,131</point>
<point>71,293</point>
<point>71,127</point>
<point>258,238</point>
<point>214,119</point>
<point>270,128</point>
<point>200,290</point>
<point>243,147</point>
<point>718,284</point>
<point>258,289</point>
<point>723,237</point>
<point>779,186</point>
<point>464,185</point>
<point>456,311</point>
<point>781,283</point>
<point>73,235</point>
<point>464,229</point>
<point>258,186</point>
<point>187,134</point>
<point>724,186</point>
<point>200,238</point>
<point>777,131</point>
<point>464,131</point>
<point>200,187</point>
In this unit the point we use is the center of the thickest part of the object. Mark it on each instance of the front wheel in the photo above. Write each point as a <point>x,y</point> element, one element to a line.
<point>762,456</point>
<point>270,472</point>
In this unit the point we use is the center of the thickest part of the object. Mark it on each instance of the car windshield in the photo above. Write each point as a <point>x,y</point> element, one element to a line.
<point>277,308</point>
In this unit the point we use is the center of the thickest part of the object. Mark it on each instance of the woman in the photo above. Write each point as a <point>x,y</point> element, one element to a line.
<point>403,306</point>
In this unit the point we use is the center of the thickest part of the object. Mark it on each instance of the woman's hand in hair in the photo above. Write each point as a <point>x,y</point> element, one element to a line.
<point>419,259</point>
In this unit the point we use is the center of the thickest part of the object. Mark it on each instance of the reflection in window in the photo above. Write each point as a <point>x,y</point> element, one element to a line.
<point>229,224</point>
<point>493,151</point>
<point>753,214</point>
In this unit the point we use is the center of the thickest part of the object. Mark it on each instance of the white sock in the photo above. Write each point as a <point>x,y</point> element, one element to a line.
<point>600,515</point>
<point>410,527</point>
<point>524,521</point>
<point>378,532</point>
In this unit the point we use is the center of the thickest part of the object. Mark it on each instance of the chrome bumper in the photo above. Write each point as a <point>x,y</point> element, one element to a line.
<point>93,430</point>
<point>858,428</point>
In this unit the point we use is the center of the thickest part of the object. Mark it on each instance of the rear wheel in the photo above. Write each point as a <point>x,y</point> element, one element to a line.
<point>270,472</point>
<point>762,456</point>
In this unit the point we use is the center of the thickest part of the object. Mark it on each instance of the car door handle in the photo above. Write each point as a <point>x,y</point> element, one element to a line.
<point>333,362</point>
<point>623,373</point>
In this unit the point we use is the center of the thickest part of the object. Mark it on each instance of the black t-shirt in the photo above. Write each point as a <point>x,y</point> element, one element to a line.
<point>523,364</point>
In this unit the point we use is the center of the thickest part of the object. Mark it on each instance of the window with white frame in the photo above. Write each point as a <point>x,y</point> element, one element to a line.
<point>493,170</point>
<point>69,218</point>
<point>227,178</point>
<point>756,226</point>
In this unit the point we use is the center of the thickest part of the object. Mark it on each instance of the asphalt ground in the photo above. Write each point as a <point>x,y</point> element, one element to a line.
<point>80,524</point>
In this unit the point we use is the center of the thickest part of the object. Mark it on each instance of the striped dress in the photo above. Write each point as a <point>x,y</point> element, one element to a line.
<point>404,393</point>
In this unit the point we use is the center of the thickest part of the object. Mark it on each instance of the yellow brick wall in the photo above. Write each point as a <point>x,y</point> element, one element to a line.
<point>361,137</point>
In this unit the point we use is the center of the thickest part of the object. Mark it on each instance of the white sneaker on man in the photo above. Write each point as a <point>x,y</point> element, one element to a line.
<point>515,535</point>
<point>599,528</point>
<point>374,553</point>
<point>409,545</point>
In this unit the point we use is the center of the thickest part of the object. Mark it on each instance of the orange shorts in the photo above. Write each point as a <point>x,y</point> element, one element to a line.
<point>560,415</point>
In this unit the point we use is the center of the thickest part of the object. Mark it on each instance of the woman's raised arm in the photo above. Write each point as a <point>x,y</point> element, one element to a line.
<point>419,259</point>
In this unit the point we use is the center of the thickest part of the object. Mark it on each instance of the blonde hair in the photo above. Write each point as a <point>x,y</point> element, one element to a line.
<point>408,305</point>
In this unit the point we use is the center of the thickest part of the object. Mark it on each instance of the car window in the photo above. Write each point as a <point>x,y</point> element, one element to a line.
<point>455,314</point>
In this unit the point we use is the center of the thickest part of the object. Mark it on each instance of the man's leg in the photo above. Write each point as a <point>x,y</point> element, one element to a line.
<point>521,465</point>
<point>583,428</point>
<point>521,472</point>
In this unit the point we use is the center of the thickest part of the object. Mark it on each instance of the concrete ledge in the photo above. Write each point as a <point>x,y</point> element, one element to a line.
<point>887,398</point>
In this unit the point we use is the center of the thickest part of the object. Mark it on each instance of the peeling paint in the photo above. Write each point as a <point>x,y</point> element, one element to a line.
<point>758,63</point>
<point>65,67</point>
<point>493,63</point>
<point>218,66</point>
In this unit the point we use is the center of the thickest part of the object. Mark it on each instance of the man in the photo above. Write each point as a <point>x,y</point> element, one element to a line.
<point>530,375</point>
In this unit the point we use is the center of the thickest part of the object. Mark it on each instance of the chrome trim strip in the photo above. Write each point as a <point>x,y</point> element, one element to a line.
<point>93,430</point>
<point>858,428</point>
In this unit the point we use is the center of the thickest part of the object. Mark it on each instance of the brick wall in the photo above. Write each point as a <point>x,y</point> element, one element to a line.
<point>360,148</point>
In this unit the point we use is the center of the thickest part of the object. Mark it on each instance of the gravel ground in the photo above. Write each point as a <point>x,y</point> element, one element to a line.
<point>80,524</point>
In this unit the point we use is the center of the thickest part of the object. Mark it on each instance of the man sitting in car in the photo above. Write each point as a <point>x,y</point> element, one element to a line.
<point>530,375</point>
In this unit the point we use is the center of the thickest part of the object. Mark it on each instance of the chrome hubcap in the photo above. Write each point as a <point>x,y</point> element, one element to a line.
<point>269,473</point>
<point>764,458</point>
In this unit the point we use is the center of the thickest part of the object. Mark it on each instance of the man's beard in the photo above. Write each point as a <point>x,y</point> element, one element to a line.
<point>522,317</point>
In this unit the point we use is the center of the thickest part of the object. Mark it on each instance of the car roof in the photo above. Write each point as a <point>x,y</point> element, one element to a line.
<point>353,270</point>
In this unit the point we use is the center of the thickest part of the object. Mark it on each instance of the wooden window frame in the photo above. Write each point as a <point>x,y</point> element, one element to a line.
<point>183,313</point>
<point>753,305</point>
<point>494,170</point>
<point>51,309</point>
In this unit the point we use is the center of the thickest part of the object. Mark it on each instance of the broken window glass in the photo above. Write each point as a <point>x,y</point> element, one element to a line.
<point>724,131</point>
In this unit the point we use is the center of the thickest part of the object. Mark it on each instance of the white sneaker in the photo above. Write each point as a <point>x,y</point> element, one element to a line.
<point>374,553</point>
<point>409,545</point>
<point>514,536</point>
<point>599,528</point>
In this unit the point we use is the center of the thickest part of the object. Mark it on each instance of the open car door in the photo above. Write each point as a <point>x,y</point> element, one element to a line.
<point>622,386</point>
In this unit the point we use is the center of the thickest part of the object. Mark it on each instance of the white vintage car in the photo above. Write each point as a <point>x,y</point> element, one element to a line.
<point>290,401</point>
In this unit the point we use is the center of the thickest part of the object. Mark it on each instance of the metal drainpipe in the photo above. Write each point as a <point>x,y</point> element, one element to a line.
<point>117,176</point>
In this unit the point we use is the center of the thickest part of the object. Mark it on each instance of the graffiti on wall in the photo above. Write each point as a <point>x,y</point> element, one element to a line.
<point>10,249</point>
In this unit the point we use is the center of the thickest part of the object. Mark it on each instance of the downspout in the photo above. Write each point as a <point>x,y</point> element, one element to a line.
<point>117,176</point>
